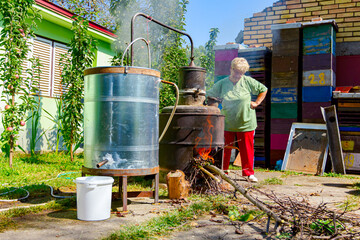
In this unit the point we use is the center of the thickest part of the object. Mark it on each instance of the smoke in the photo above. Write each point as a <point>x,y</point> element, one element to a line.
<point>168,12</point>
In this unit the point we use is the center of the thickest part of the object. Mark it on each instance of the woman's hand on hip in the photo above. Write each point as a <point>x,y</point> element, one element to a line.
<point>253,105</point>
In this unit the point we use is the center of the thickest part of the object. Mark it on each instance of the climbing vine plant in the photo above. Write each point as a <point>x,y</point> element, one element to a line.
<point>82,53</point>
<point>18,82</point>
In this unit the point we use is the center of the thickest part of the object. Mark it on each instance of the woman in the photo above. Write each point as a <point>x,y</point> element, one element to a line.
<point>239,111</point>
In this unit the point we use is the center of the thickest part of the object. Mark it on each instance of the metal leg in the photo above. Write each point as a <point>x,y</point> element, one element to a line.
<point>157,188</point>
<point>124,192</point>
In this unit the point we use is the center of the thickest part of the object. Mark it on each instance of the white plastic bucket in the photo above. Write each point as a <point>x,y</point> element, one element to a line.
<point>93,197</point>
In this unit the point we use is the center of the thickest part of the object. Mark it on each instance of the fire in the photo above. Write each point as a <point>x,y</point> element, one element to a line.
<point>204,153</point>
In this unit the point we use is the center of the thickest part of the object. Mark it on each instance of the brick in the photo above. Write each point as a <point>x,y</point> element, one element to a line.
<point>328,16</point>
<point>344,34</point>
<point>269,45</point>
<point>279,8</point>
<point>293,6</point>
<point>339,10</point>
<point>303,14</point>
<point>357,14</point>
<point>260,14</point>
<point>258,28</point>
<point>250,24</point>
<point>308,1</point>
<point>342,1</point>
<point>250,42</point>
<point>354,19</point>
<point>308,18</point>
<point>264,32</point>
<point>265,22</point>
<point>279,21</point>
<point>356,24</point>
<point>339,20</point>
<point>265,40</point>
<point>356,34</point>
<point>341,30</point>
<point>310,9</point>
<point>292,2</point>
<point>255,19</point>
<point>287,16</point>
<point>355,9</point>
<point>282,12</point>
<point>347,5</point>
<point>257,36</point>
<point>352,29</point>
<point>352,39</point>
<point>350,24</point>
<point>331,7</point>
<point>307,5</point>
<point>250,33</point>
<point>247,29</point>
<point>247,20</point>
<point>345,15</point>
<point>272,17</point>
<point>297,10</point>
<point>339,39</point>
<point>320,12</point>
<point>268,26</point>
<point>246,37</point>
<point>326,2</point>
<point>270,13</point>
<point>299,19</point>
<point>268,35</point>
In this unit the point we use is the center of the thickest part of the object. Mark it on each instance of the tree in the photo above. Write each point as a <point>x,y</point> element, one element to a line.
<point>82,52</point>
<point>208,61</point>
<point>18,19</point>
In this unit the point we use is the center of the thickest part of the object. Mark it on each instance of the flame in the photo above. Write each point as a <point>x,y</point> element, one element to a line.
<point>204,153</point>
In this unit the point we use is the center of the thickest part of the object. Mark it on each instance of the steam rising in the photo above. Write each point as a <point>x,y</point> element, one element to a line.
<point>168,12</point>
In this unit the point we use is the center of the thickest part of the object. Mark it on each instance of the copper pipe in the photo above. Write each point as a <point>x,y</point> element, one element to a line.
<point>102,163</point>
<point>163,25</point>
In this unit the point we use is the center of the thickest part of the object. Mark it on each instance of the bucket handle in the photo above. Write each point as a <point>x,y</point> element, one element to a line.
<point>127,48</point>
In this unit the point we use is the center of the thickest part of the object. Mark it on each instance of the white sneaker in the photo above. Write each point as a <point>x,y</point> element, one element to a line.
<point>252,178</point>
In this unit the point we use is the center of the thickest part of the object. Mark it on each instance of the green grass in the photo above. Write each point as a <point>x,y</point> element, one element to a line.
<point>338,175</point>
<point>175,220</point>
<point>36,173</point>
<point>272,181</point>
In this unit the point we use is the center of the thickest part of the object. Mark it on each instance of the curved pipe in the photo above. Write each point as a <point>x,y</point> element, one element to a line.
<point>130,45</point>
<point>163,25</point>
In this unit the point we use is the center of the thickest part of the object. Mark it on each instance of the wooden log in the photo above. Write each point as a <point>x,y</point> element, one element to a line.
<point>245,193</point>
<point>178,187</point>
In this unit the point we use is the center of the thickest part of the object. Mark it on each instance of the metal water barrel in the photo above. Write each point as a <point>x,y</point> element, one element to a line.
<point>121,119</point>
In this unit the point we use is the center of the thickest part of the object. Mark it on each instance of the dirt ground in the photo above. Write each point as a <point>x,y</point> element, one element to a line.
<point>64,224</point>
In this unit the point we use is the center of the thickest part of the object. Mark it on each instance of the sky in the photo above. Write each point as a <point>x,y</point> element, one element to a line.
<point>226,15</point>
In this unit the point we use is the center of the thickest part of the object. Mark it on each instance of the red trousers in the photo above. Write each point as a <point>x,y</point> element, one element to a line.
<point>245,141</point>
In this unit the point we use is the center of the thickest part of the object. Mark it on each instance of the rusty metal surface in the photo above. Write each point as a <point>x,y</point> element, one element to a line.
<point>192,127</point>
<point>120,172</point>
<point>128,70</point>
<point>192,85</point>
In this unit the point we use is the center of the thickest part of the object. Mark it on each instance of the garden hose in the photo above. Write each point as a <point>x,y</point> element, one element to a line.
<point>28,194</point>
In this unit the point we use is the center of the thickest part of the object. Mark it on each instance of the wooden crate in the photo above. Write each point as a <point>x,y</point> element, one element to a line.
<point>319,61</point>
<point>284,95</point>
<point>284,110</point>
<point>324,77</point>
<point>350,143</point>
<point>286,39</point>
<point>279,141</point>
<point>281,125</point>
<point>285,64</point>
<point>311,110</point>
<point>317,94</point>
<point>352,161</point>
<point>319,37</point>
<point>284,79</point>
<point>222,67</point>
<point>225,55</point>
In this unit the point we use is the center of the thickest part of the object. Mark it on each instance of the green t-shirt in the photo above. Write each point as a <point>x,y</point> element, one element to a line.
<point>239,117</point>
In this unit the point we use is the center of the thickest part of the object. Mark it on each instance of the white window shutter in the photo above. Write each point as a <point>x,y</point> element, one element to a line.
<point>58,87</point>
<point>42,49</point>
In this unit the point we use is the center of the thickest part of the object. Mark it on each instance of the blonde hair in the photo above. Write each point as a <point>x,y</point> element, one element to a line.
<point>240,64</point>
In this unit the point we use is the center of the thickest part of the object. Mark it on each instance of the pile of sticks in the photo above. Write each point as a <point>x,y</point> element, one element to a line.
<point>294,216</point>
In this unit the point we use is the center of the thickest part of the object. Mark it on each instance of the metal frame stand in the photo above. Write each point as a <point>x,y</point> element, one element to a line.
<point>123,175</point>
